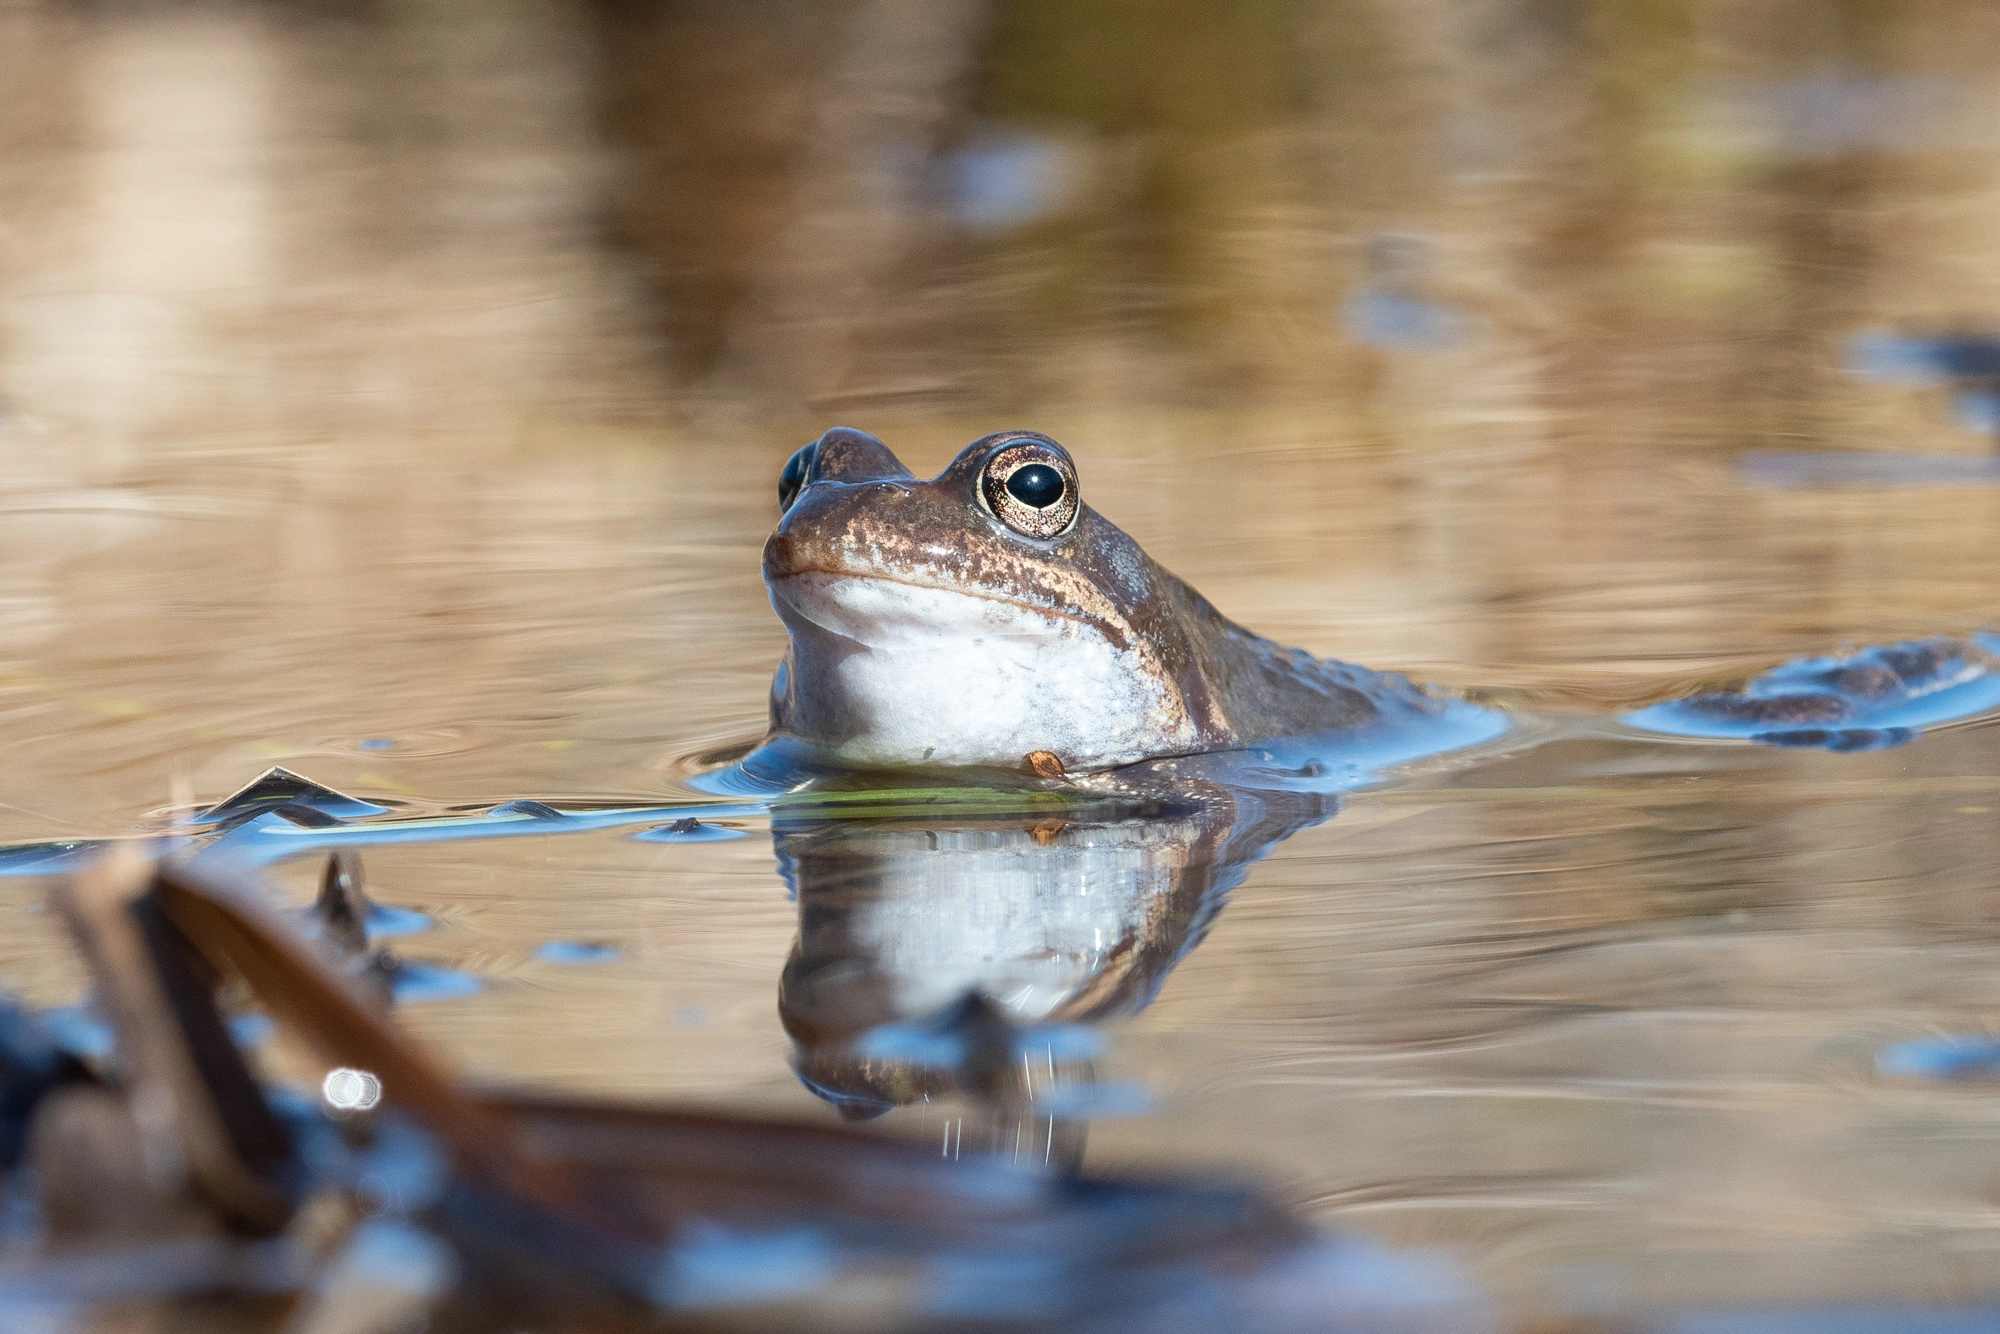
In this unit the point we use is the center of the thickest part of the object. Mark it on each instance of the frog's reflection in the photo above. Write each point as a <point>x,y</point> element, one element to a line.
<point>984,940</point>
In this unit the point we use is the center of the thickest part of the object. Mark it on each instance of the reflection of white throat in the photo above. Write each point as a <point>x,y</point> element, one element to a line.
<point>890,673</point>
<point>1029,927</point>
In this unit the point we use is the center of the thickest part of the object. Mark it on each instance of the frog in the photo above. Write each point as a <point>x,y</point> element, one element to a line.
<point>989,618</point>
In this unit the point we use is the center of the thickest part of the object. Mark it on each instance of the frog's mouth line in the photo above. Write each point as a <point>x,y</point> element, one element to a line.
<point>1116,637</point>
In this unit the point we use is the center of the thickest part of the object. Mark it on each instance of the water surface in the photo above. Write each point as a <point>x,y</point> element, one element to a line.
<point>339,439</point>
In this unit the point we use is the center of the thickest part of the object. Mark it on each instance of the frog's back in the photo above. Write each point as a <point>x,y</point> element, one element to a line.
<point>1262,689</point>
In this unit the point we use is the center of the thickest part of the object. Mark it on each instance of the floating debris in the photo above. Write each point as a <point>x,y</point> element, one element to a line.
<point>538,810</point>
<point>688,830</point>
<point>280,791</point>
<point>1882,696</point>
<point>281,814</point>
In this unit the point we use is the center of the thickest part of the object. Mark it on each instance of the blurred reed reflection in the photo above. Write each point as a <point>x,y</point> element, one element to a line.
<point>1647,211</point>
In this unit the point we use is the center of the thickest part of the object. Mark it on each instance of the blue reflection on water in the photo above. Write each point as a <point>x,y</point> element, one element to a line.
<point>1978,411</point>
<point>78,1030</point>
<point>1358,757</point>
<point>998,1287</point>
<point>1324,762</point>
<point>413,983</point>
<point>62,856</point>
<point>1095,1102</point>
<point>1969,362</point>
<point>576,951</point>
<point>1389,309</point>
<point>392,1257</point>
<point>714,1265</point>
<point>1006,177</point>
<point>1876,354</point>
<point>271,837</point>
<point>942,1045</point>
<point>1790,470</point>
<point>1380,318</point>
<point>1829,115</point>
<point>386,919</point>
<point>252,1030</point>
<point>1958,1056</point>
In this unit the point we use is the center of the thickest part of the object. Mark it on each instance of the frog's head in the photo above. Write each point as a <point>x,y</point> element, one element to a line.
<point>974,618</point>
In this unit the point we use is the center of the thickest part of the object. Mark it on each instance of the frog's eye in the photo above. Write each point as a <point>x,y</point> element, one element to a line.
<point>1031,487</point>
<point>796,476</point>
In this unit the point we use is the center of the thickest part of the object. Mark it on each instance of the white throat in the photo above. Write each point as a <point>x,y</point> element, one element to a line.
<point>890,673</point>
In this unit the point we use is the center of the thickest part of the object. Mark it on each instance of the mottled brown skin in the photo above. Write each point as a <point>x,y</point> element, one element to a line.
<point>1234,687</point>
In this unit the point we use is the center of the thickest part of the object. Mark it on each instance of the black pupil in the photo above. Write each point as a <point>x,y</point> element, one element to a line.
<point>1037,484</point>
